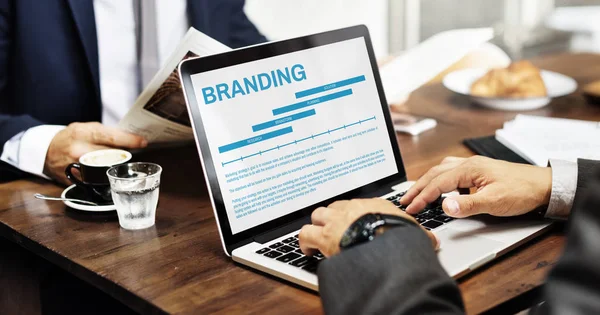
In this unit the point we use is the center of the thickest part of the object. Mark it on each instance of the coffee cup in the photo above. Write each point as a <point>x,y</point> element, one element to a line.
<point>92,167</point>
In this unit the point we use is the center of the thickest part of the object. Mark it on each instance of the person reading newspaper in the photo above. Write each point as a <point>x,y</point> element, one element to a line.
<point>64,90</point>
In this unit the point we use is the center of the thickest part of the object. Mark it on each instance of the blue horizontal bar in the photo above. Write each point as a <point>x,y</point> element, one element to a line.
<point>283,120</point>
<point>314,101</point>
<point>330,86</point>
<point>249,141</point>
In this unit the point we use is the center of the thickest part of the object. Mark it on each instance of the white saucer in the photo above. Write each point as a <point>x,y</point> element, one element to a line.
<point>556,84</point>
<point>72,194</point>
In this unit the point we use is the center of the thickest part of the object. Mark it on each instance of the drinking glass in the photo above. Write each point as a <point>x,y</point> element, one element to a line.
<point>134,189</point>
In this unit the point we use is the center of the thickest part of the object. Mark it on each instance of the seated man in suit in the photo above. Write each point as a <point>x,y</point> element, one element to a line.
<point>71,69</point>
<point>398,272</point>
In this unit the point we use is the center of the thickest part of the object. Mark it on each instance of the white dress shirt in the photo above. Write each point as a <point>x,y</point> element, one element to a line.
<point>564,185</point>
<point>117,59</point>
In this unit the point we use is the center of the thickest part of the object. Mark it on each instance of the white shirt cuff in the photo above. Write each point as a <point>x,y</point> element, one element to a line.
<point>29,152</point>
<point>564,185</point>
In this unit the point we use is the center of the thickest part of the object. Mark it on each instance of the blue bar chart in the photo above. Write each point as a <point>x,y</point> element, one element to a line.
<point>296,117</point>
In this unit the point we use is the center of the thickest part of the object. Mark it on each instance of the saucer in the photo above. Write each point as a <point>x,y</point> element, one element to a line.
<point>557,85</point>
<point>77,192</point>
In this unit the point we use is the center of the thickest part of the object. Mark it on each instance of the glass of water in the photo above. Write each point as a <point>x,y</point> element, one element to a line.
<point>134,189</point>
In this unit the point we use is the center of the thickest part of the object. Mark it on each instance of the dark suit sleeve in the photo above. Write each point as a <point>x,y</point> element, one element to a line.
<point>585,175</point>
<point>242,31</point>
<point>10,125</point>
<point>573,286</point>
<point>397,273</point>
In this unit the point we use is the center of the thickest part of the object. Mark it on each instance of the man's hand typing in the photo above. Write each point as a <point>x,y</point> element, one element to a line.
<point>502,188</point>
<point>329,224</point>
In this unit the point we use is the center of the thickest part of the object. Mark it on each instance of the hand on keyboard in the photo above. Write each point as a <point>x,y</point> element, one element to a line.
<point>503,188</point>
<point>329,224</point>
<point>430,218</point>
<point>288,251</point>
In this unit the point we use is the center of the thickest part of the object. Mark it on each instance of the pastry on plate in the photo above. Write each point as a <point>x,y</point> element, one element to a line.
<point>520,79</point>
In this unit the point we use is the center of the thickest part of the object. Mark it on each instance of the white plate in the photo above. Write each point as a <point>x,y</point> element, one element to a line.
<point>556,84</point>
<point>83,207</point>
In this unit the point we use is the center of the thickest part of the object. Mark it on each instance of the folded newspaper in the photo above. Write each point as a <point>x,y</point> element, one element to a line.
<point>159,113</point>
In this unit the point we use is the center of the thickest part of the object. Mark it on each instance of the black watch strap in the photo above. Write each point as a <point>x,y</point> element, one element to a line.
<point>364,228</point>
<point>394,220</point>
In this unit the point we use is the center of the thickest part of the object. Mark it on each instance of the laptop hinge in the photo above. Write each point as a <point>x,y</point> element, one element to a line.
<point>383,190</point>
<point>280,231</point>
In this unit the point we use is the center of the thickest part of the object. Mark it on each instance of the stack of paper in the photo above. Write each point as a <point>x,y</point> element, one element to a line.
<point>538,139</point>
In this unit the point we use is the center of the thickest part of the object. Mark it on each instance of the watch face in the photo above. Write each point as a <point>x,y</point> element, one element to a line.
<point>363,229</point>
<point>358,232</point>
<point>350,235</point>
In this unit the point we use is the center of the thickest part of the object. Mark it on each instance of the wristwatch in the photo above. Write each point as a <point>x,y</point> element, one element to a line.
<point>364,229</point>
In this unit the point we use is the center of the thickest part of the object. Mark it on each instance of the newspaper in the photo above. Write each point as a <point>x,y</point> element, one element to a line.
<point>159,114</point>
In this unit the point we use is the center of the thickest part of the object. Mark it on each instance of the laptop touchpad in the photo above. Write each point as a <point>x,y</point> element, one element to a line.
<point>461,249</point>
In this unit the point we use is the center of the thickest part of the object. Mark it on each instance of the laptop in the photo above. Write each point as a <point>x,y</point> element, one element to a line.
<point>285,127</point>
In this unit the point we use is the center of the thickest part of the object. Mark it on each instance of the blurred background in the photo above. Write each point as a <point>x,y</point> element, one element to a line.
<point>523,28</point>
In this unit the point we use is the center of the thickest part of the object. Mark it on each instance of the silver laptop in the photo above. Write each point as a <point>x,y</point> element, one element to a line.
<point>285,127</point>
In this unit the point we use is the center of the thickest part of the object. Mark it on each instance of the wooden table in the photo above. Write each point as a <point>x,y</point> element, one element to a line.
<point>179,266</point>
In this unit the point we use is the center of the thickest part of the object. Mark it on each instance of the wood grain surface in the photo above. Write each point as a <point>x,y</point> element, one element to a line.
<point>179,265</point>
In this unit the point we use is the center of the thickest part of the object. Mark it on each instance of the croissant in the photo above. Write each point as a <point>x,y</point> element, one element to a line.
<point>519,80</point>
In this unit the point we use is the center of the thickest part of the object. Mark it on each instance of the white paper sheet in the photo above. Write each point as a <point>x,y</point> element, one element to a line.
<point>538,139</point>
<point>422,63</point>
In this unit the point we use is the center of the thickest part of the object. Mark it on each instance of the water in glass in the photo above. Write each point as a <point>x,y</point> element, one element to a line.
<point>137,208</point>
<point>135,191</point>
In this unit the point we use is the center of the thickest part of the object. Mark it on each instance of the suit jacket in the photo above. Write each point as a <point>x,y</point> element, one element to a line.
<point>49,59</point>
<point>399,273</point>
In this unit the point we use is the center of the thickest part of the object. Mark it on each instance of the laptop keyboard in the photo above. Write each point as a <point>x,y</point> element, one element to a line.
<point>431,217</point>
<point>288,250</point>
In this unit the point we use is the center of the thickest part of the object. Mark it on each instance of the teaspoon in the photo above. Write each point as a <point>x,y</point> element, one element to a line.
<point>40,196</point>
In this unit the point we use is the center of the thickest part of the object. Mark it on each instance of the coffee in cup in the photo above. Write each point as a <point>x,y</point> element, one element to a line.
<point>93,166</point>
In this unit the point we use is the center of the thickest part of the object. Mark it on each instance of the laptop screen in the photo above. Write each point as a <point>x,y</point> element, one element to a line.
<point>289,131</point>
